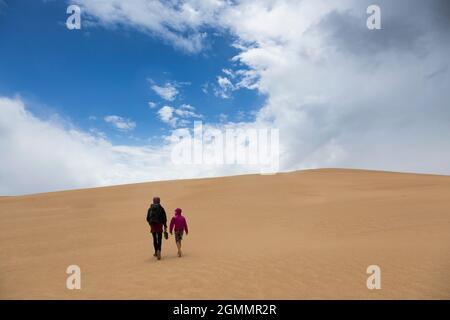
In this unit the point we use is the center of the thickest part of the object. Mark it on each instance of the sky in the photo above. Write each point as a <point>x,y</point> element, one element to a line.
<point>102,105</point>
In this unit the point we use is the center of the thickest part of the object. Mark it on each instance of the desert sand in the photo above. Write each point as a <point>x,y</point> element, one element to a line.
<point>300,235</point>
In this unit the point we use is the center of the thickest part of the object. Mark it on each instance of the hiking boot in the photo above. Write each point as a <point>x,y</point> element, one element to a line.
<point>158,254</point>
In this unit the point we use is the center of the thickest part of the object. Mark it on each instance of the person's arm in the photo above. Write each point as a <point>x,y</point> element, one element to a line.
<point>185,226</point>
<point>164,218</point>
<point>172,224</point>
<point>148,216</point>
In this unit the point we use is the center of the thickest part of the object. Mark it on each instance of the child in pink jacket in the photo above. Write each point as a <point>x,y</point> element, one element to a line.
<point>180,224</point>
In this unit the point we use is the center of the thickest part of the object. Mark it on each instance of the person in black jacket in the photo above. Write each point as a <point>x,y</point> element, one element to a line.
<point>157,219</point>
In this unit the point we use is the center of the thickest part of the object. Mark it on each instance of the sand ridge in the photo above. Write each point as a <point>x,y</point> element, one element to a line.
<point>300,235</point>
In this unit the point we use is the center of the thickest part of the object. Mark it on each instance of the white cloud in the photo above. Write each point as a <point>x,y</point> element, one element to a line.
<point>187,107</point>
<point>151,104</point>
<point>225,87</point>
<point>178,23</point>
<point>120,123</point>
<point>205,87</point>
<point>166,115</point>
<point>187,113</point>
<point>167,92</point>
<point>235,80</point>
<point>98,133</point>
<point>229,73</point>
<point>223,117</point>
<point>178,116</point>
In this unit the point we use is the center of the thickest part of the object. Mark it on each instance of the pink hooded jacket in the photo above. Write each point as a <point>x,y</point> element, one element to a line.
<point>179,222</point>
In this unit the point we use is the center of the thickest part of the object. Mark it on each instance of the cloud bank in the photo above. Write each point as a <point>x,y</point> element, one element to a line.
<point>39,155</point>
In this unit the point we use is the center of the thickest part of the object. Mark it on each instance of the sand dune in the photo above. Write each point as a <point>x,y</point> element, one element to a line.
<point>301,235</point>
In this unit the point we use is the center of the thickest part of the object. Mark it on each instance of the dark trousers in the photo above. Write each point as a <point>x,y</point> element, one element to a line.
<point>157,240</point>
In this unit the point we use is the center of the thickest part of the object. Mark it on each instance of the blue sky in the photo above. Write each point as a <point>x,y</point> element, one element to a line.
<point>96,72</point>
<point>103,105</point>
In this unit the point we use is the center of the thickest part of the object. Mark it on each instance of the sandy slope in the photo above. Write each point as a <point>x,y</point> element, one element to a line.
<point>301,235</point>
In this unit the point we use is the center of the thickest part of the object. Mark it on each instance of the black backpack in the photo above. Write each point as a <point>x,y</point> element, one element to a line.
<point>153,214</point>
